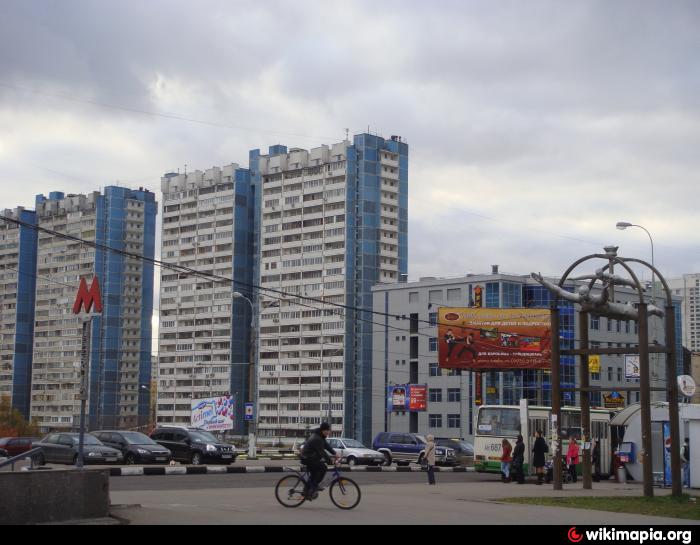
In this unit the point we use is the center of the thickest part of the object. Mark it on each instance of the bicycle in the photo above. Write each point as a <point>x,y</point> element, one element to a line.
<point>291,489</point>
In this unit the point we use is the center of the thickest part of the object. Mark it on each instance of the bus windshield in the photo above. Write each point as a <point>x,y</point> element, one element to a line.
<point>499,421</point>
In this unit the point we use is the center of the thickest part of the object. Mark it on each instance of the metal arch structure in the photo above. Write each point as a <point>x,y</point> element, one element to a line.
<point>643,350</point>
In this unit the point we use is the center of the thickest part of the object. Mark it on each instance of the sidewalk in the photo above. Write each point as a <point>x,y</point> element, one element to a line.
<point>454,503</point>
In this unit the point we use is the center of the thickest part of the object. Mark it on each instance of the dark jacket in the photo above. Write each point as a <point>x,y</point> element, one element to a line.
<point>519,454</point>
<point>539,450</point>
<point>315,448</point>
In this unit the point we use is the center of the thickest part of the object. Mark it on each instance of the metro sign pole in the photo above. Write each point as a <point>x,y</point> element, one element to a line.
<point>86,299</point>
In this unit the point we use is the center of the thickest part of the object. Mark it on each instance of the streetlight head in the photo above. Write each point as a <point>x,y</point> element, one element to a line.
<point>237,295</point>
<point>622,225</point>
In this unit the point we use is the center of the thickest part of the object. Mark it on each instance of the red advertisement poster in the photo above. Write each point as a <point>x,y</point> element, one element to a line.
<point>418,398</point>
<point>494,338</point>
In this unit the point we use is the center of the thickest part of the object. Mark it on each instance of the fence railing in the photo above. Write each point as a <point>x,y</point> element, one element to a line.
<point>30,454</point>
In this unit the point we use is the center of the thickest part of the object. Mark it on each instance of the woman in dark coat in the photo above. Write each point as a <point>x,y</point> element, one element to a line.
<point>518,461</point>
<point>538,458</point>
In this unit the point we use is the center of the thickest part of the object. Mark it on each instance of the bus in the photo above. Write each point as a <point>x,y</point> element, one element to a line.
<point>497,422</point>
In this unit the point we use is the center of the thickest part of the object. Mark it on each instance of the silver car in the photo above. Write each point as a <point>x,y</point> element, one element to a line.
<point>353,452</point>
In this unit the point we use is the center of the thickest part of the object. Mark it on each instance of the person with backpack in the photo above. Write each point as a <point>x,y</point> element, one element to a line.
<point>685,458</point>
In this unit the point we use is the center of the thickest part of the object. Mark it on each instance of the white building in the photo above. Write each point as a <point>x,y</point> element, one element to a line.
<point>688,287</point>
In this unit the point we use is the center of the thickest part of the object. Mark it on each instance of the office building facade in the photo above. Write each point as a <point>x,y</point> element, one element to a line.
<point>406,352</point>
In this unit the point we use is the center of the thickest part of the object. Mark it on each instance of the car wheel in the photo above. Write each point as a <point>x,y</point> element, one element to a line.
<point>352,462</point>
<point>75,460</point>
<point>129,460</point>
<point>420,460</point>
<point>196,459</point>
<point>40,460</point>
<point>387,459</point>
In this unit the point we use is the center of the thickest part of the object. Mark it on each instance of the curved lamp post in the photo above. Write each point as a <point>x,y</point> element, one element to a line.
<point>622,225</point>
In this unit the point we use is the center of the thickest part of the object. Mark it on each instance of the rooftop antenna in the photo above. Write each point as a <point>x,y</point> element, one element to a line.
<point>185,168</point>
<point>347,134</point>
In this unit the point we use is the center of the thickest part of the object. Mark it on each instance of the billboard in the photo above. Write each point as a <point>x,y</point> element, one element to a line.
<point>632,366</point>
<point>494,338</point>
<point>407,397</point>
<point>213,413</point>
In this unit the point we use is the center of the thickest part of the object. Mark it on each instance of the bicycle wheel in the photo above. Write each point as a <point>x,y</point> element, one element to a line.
<point>290,491</point>
<point>345,494</point>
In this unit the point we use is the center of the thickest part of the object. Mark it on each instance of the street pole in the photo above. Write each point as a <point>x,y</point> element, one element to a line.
<point>585,397</point>
<point>252,379</point>
<point>673,409</point>
<point>84,387</point>
<point>556,399</point>
<point>645,398</point>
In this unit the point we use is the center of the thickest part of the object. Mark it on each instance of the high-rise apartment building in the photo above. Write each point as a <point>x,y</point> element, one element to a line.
<point>333,223</point>
<point>688,287</point>
<point>120,365</point>
<point>17,290</point>
<point>208,226</point>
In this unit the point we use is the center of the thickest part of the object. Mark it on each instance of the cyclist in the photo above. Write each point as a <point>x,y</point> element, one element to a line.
<point>314,455</point>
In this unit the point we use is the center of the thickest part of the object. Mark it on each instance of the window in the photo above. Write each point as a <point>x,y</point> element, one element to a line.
<point>619,374</point>
<point>433,344</point>
<point>435,295</point>
<point>435,421</point>
<point>435,395</point>
<point>595,322</point>
<point>454,294</point>
<point>610,374</point>
<point>413,297</point>
<point>454,395</point>
<point>432,317</point>
<point>435,371</point>
<point>453,421</point>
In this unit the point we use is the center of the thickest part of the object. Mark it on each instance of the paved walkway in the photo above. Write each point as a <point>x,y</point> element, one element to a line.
<point>447,503</point>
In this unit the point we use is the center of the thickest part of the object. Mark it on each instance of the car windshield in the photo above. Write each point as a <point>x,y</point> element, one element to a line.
<point>421,439</point>
<point>89,440</point>
<point>351,443</point>
<point>203,437</point>
<point>135,438</point>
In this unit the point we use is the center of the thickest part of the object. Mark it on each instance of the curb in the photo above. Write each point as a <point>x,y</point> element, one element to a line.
<point>221,470</point>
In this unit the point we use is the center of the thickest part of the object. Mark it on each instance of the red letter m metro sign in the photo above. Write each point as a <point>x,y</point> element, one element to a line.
<point>87,298</point>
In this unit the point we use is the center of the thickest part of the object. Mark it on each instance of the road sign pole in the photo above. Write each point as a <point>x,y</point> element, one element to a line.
<point>84,386</point>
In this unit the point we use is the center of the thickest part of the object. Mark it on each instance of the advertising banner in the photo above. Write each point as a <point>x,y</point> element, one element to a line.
<point>594,364</point>
<point>494,338</point>
<point>407,397</point>
<point>396,397</point>
<point>614,400</point>
<point>417,398</point>
<point>213,413</point>
<point>632,366</point>
<point>667,453</point>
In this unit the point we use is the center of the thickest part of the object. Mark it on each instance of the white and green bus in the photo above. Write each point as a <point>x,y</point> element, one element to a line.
<point>497,422</point>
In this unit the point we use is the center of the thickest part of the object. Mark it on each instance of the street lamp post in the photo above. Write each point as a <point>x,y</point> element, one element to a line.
<point>252,381</point>
<point>622,225</point>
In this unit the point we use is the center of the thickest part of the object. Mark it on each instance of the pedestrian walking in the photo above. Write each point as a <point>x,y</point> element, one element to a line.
<point>538,459</point>
<point>572,458</point>
<point>429,458</point>
<point>518,461</point>
<point>685,458</point>
<point>595,459</point>
<point>506,460</point>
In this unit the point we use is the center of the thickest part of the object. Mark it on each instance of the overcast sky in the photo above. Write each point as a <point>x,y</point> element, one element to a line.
<point>533,126</point>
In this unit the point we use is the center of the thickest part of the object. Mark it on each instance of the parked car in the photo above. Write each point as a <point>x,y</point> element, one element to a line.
<point>464,452</point>
<point>62,448</point>
<point>17,445</point>
<point>353,452</point>
<point>404,448</point>
<point>4,453</point>
<point>136,447</point>
<point>194,446</point>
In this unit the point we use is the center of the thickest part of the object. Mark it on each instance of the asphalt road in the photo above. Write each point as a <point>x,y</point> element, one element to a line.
<point>268,480</point>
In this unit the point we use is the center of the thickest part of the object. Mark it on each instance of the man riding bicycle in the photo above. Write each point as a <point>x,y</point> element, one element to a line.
<point>314,455</point>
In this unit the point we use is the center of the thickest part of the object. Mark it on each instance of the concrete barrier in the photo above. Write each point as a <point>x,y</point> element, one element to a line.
<point>33,497</point>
